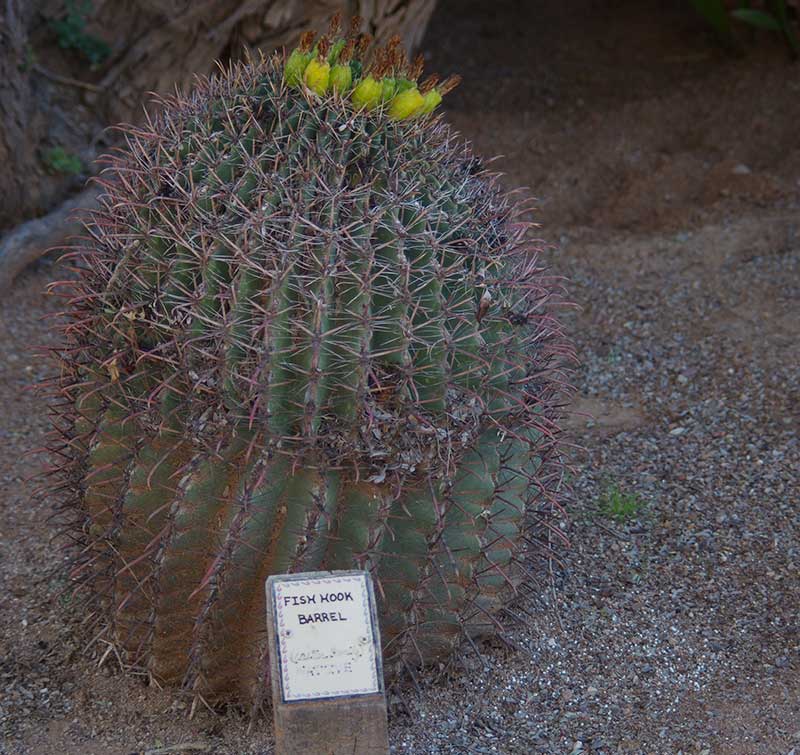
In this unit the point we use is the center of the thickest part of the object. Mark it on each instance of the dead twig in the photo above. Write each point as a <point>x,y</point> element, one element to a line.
<point>30,240</point>
<point>185,747</point>
<point>67,80</point>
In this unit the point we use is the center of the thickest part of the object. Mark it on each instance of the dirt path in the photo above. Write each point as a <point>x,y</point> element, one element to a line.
<point>669,186</point>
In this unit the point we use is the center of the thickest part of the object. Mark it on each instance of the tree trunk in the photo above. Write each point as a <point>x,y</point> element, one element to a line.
<point>71,68</point>
<point>22,122</point>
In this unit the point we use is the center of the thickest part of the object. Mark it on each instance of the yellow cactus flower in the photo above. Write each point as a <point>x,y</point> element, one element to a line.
<point>299,59</point>
<point>432,100</point>
<point>388,88</point>
<point>406,104</point>
<point>336,50</point>
<point>367,93</point>
<point>295,66</point>
<point>341,78</point>
<point>317,76</point>
<point>404,84</point>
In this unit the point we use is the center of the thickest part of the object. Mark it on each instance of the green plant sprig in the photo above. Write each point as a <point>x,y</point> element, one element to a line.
<point>59,160</point>
<point>777,20</point>
<point>774,16</point>
<point>71,33</point>
<point>623,507</point>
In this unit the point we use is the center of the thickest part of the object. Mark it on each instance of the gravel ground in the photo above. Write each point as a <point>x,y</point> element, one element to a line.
<point>672,627</point>
<point>673,209</point>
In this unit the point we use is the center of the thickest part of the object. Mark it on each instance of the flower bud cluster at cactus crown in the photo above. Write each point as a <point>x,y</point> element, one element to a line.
<point>340,66</point>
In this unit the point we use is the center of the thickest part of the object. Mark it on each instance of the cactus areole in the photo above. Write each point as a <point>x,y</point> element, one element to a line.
<point>308,332</point>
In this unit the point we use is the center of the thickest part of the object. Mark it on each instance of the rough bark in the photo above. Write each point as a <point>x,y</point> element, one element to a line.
<point>21,124</point>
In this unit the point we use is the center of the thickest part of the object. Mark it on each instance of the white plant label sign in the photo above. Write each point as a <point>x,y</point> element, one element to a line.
<point>325,636</point>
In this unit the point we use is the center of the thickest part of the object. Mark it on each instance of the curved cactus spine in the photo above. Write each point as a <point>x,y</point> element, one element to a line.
<point>309,334</point>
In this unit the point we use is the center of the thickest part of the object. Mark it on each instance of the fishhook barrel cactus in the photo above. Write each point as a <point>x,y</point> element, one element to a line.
<point>307,333</point>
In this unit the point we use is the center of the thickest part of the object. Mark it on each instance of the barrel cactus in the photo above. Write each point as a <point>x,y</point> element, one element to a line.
<point>306,332</point>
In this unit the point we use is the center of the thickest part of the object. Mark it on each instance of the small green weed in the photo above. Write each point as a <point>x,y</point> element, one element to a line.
<point>716,15</point>
<point>775,17</point>
<point>772,15</point>
<point>71,33</point>
<point>620,506</point>
<point>58,160</point>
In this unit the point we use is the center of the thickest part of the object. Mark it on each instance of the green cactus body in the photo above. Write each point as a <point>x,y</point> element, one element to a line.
<point>309,336</point>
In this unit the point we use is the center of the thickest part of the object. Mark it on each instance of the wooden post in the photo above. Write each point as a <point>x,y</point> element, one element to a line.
<point>326,666</point>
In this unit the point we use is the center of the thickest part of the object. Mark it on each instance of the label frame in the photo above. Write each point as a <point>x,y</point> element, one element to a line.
<point>374,630</point>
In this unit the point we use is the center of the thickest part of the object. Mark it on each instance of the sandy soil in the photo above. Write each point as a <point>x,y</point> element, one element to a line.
<point>668,178</point>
